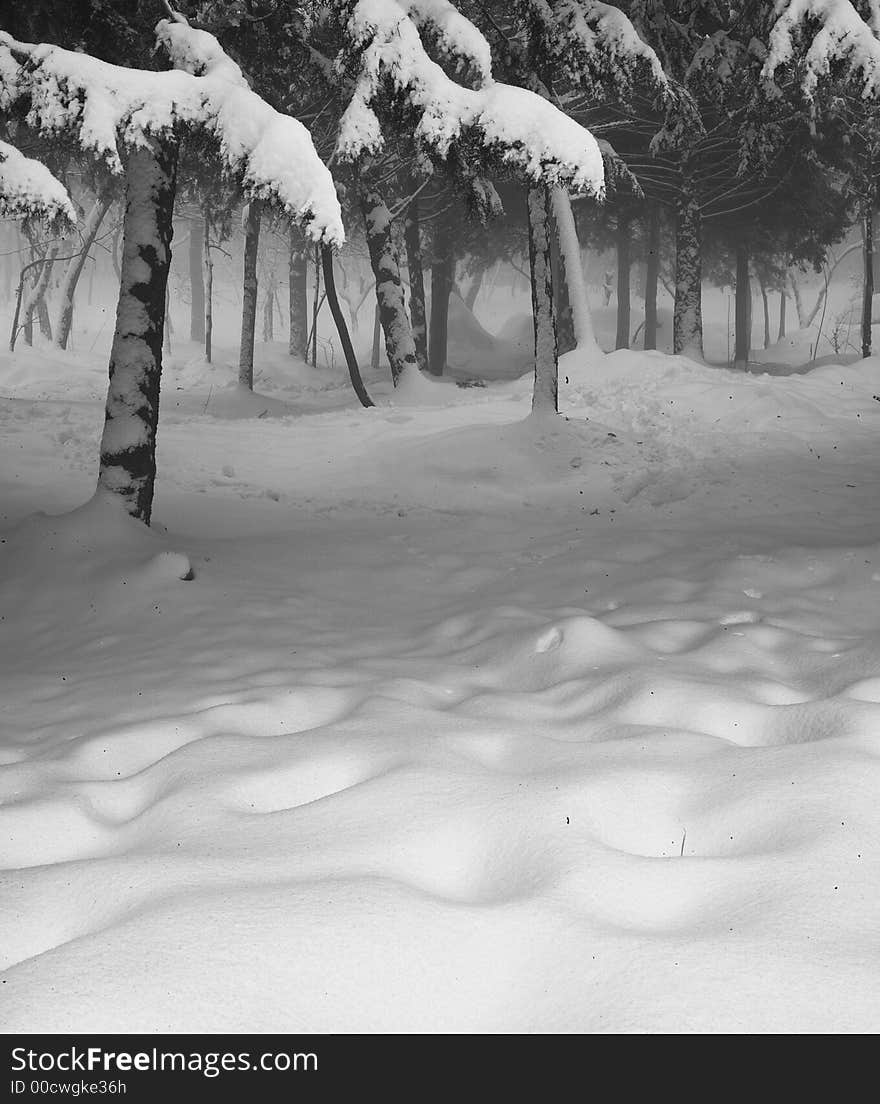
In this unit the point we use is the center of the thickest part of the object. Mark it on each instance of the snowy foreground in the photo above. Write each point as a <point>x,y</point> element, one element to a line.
<point>464,723</point>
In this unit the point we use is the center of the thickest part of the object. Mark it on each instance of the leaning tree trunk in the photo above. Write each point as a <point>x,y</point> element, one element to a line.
<point>412,237</point>
<point>196,279</point>
<point>249,295</point>
<point>868,289</point>
<point>384,258</point>
<point>742,311</point>
<point>687,334</point>
<point>569,247</point>
<point>545,397</point>
<point>298,294</point>
<point>128,445</point>
<point>624,264</point>
<point>75,266</point>
<point>36,300</point>
<point>652,277</point>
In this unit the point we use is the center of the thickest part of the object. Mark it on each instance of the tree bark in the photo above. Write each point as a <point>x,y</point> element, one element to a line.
<point>442,280</point>
<point>783,299</point>
<point>868,289</point>
<point>385,260</point>
<point>565,339</point>
<point>652,277</point>
<point>128,444</point>
<point>569,247</point>
<point>196,280</point>
<point>624,263</point>
<point>545,397</point>
<point>67,290</point>
<point>687,337</point>
<point>742,320</point>
<point>209,289</point>
<point>249,295</point>
<point>298,295</point>
<point>412,237</point>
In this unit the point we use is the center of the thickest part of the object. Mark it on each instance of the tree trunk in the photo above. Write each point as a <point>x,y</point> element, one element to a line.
<point>569,247</point>
<point>376,348</point>
<point>209,290</point>
<point>196,280</point>
<point>412,237</point>
<point>783,299</point>
<point>652,277</point>
<point>442,280</point>
<point>344,338</point>
<point>742,321</point>
<point>36,300</point>
<point>67,290</point>
<point>399,345</point>
<point>269,314</point>
<point>624,262</point>
<point>473,291</point>
<point>128,445</point>
<point>766,303</point>
<point>565,339</point>
<point>687,337</point>
<point>249,295</point>
<point>868,289</point>
<point>545,397</point>
<point>798,301</point>
<point>298,294</point>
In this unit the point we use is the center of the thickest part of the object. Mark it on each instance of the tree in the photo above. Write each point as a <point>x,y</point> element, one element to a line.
<point>130,119</point>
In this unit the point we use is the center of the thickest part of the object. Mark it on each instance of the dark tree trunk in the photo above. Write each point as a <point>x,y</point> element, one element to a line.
<point>412,237</point>
<point>473,291</point>
<point>624,263</point>
<point>783,300</point>
<point>565,337</point>
<point>249,295</point>
<point>545,397</point>
<point>298,294</point>
<point>196,279</point>
<point>442,281</point>
<point>742,311</point>
<point>67,291</point>
<point>652,277</point>
<point>688,312</point>
<point>209,290</point>
<point>868,291</point>
<point>399,345</point>
<point>354,371</point>
<point>128,445</point>
<point>766,303</point>
<point>316,307</point>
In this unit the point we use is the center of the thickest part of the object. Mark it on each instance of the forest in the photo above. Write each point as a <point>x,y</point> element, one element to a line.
<point>438,519</point>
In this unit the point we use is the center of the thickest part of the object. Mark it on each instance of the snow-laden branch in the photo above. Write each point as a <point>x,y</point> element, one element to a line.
<point>842,35</point>
<point>110,108</point>
<point>525,129</point>
<point>29,190</point>
<point>456,36</point>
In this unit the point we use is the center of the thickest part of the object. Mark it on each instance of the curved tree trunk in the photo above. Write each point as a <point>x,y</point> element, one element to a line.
<point>249,295</point>
<point>569,247</point>
<point>545,397</point>
<point>298,295</point>
<point>412,237</point>
<point>128,444</point>
<point>687,335</point>
<point>624,265</point>
<point>354,371</point>
<point>196,279</point>
<point>67,290</point>
<point>652,277</point>
<point>399,345</point>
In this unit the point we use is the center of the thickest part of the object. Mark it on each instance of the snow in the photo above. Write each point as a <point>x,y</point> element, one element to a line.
<point>839,33</point>
<point>109,106</point>
<point>528,131</point>
<point>467,720</point>
<point>28,189</point>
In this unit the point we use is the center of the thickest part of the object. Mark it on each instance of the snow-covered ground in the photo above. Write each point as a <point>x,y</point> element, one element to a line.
<point>467,721</point>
